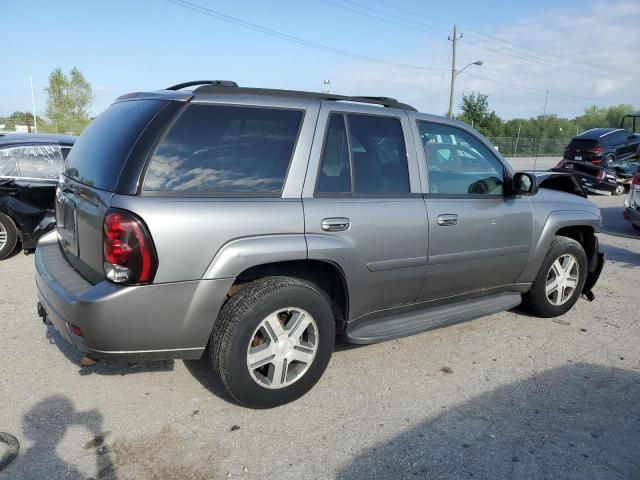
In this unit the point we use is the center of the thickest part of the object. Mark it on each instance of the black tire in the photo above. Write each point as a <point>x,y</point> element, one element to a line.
<point>620,190</point>
<point>636,227</point>
<point>238,320</point>
<point>535,301</point>
<point>12,236</point>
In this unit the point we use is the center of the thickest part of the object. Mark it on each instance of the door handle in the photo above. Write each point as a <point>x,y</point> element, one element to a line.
<point>447,220</point>
<point>337,224</point>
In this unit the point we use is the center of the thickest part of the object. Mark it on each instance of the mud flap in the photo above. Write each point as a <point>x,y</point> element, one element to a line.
<point>595,268</point>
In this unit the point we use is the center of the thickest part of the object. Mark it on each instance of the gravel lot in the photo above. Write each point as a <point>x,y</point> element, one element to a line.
<point>506,396</point>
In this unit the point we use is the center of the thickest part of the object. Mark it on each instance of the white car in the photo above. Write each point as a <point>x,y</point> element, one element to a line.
<point>632,203</point>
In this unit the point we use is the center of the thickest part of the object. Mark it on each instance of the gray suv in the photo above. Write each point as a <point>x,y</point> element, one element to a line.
<point>253,226</point>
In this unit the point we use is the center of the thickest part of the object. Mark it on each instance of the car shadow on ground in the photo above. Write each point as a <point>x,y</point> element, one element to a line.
<point>573,422</point>
<point>104,367</point>
<point>44,426</point>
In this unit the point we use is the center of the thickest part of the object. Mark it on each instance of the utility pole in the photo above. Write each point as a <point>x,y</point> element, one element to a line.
<point>454,41</point>
<point>33,105</point>
<point>544,115</point>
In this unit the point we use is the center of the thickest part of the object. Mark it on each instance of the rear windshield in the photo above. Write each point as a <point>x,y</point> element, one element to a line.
<point>215,149</point>
<point>582,143</point>
<point>99,154</point>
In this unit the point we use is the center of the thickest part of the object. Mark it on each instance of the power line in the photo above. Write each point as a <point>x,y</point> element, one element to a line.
<point>291,38</point>
<point>497,40</point>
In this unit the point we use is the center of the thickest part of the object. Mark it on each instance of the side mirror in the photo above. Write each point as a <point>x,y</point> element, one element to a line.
<point>524,183</point>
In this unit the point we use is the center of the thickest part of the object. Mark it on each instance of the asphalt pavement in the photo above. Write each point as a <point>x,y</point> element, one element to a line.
<point>503,397</point>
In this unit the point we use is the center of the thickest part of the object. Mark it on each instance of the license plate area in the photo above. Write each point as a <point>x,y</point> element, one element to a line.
<point>577,157</point>
<point>67,224</point>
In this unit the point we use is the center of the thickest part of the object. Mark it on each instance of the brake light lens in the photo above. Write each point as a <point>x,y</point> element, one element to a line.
<point>635,181</point>
<point>597,150</point>
<point>560,164</point>
<point>600,175</point>
<point>128,251</point>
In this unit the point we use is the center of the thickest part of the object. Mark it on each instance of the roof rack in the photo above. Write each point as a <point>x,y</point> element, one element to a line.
<point>217,88</point>
<point>219,83</point>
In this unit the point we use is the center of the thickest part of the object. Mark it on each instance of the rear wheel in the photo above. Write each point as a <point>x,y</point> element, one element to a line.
<point>8,236</point>
<point>620,189</point>
<point>560,280</point>
<point>272,341</point>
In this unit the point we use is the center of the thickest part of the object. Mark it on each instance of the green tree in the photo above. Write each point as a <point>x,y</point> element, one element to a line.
<point>68,101</point>
<point>475,108</point>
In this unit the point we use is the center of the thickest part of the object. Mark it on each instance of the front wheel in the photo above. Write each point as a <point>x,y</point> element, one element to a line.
<point>272,341</point>
<point>560,280</point>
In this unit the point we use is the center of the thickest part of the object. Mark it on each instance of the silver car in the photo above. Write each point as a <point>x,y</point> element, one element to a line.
<point>253,226</point>
<point>632,203</point>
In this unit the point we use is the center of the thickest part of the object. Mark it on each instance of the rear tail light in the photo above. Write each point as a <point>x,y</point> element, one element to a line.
<point>635,181</point>
<point>600,175</point>
<point>560,163</point>
<point>597,150</point>
<point>129,254</point>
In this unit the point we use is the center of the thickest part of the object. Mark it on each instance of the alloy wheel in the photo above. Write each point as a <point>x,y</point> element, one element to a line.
<point>562,279</point>
<point>282,348</point>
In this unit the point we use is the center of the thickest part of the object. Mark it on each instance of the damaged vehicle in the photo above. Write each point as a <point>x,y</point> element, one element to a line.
<point>251,226</point>
<point>30,166</point>
<point>598,179</point>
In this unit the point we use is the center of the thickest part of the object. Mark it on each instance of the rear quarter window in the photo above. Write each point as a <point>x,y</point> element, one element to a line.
<point>214,149</point>
<point>98,156</point>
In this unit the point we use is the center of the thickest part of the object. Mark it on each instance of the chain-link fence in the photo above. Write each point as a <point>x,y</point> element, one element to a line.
<point>530,146</point>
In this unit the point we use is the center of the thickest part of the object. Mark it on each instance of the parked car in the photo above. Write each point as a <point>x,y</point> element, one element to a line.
<point>255,225</point>
<point>30,165</point>
<point>632,203</point>
<point>594,178</point>
<point>602,146</point>
<point>631,121</point>
<point>625,171</point>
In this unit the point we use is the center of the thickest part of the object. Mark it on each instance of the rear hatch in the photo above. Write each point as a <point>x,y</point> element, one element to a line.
<point>91,176</point>
<point>582,150</point>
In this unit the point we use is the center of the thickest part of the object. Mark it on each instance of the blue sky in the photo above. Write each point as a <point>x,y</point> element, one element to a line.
<point>125,46</point>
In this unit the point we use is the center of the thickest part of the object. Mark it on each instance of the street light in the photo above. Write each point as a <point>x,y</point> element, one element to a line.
<point>454,74</point>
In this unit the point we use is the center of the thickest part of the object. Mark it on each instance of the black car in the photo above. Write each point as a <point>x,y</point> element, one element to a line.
<point>602,146</point>
<point>594,178</point>
<point>30,165</point>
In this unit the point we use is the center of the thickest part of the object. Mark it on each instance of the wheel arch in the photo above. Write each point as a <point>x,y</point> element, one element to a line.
<point>325,275</point>
<point>579,225</point>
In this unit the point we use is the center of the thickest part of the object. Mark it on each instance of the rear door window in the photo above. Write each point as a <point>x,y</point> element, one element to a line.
<point>372,148</point>
<point>215,149</point>
<point>98,156</point>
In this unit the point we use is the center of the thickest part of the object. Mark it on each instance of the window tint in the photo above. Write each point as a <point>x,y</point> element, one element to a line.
<point>99,154</point>
<point>458,163</point>
<point>8,163</point>
<point>224,149</point>
<point>378,155</point>
<point>335,175</point>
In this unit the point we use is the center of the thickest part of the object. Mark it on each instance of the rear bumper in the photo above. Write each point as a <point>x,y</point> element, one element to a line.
<point>169,320</point>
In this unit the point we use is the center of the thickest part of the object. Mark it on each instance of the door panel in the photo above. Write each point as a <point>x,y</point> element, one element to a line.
<point>383,252</point>
<point>478,238</point>
<point>488,247</point>
<point>363,206</point>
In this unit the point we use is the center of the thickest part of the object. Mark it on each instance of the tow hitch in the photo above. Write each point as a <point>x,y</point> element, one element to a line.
<point>42,313</point>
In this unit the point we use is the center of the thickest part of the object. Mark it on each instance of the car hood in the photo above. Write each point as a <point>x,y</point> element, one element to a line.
<point>561,181</point>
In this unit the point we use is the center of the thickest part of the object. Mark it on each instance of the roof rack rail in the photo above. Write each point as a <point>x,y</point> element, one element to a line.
<point>219,83</point>
<point>268,92</point>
